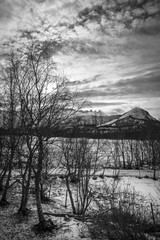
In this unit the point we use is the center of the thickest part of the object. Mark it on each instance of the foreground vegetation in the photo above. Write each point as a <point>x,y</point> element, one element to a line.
<point>111,205</point>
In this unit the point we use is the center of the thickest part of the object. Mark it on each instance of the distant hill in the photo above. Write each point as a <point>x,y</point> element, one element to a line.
<point>93,117</point>
<point>136,116</point>
<point>134,124</point>
<point>138,113</point>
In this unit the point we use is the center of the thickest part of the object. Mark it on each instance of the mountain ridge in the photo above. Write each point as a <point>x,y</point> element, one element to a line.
<point>133,116</point>
<point>100,118</point>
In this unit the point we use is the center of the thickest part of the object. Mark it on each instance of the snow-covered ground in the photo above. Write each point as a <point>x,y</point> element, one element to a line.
<point>141,181</point>
<point>71,229</point>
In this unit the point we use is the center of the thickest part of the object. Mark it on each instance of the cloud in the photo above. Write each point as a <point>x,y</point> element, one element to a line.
<point>105,104</point>
<point>145,86</point>
<point>148,85</point>
<point>39,18</point>
<point>121,17</point>
<point>76,18</point>
<point>83,26</point>
<point>84,81</point>
<point>107,49</point>
<point>117,111</point>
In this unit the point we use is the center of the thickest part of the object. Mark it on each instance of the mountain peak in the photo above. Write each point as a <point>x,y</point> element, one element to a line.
<point>138,113</point>
<point>135,113</point>
<point>90,113</point>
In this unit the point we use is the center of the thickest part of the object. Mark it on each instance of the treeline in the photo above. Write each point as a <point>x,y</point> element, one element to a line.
<point>132,154</point>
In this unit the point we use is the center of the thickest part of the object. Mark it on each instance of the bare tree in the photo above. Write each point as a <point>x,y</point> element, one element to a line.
<point>81,159</point>
<point>154,144</point>
<point>46,104</point>
<point>3,161</point>
<point>11,119</point>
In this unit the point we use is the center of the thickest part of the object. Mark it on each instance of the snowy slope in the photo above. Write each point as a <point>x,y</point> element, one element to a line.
<point>136,113</point>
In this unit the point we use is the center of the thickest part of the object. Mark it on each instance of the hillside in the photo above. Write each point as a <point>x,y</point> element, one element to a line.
<point>133,117</point>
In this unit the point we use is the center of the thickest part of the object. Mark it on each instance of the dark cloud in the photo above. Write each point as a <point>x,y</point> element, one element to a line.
<point>122,16</point>
<point>147,86</point>
<point>105,104</point>
<point>91,93</point>
<point>84,81</point>
<point>79,82</point>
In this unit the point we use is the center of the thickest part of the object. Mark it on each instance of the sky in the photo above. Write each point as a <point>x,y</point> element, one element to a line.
<point>109,50</point>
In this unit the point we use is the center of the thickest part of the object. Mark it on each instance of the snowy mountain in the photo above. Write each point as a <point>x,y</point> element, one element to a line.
<point>133,117</point>
<point>136,116</point>
<point>138,113</point>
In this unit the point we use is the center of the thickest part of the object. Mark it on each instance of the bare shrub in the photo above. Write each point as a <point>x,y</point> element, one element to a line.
<point>121,214</point>
<point>81,162</point>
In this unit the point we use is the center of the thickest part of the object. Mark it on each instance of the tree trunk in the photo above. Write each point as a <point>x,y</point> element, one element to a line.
<point>123,154</point>
<point>4,195</point>
<point>123,157</point>
<point>38,182</point>
<point>25,194</point>
<point>2,178</point>
<point>70,195</point>
<point>154,166</point>
<point>153,160</point>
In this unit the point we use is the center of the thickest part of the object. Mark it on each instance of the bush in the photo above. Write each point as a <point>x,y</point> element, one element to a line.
<point>117,225</point>
<point>122,214</point>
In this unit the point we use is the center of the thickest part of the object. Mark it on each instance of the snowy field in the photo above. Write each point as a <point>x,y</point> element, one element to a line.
<point>69,228</point>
